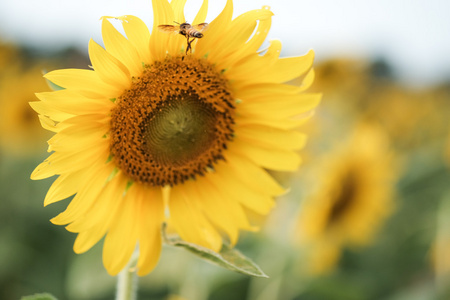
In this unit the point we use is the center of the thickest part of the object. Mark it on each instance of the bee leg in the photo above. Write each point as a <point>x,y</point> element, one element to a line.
<point>189,45</point>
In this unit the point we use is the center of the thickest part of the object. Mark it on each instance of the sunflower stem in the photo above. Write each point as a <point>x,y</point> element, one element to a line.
<point>127,282</point>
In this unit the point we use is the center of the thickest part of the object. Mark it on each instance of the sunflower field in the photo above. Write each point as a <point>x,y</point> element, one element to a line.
<point>198,162</point>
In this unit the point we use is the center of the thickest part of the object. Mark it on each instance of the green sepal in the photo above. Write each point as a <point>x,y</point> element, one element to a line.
<point>113,174</point>
<point>44,296</point>
<point>109,159</point>
<point>228,258</point>
<point>129,184</point>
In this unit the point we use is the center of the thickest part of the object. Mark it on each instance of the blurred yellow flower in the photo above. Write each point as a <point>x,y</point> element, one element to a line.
<point>20,131</point>
<point>9,58</point>
<point>405,114</point>
<point>343,81</point>
<point>154,135</point>
<point>341,75</point>
<point>353,197</point>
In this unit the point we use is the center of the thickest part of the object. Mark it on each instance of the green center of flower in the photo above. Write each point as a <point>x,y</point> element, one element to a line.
<point>173,123</point>
<point>182,129</point>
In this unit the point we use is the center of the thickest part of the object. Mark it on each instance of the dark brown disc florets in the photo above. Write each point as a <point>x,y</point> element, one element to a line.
<point>173,123</point>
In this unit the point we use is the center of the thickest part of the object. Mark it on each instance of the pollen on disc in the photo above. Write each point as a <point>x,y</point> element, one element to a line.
<point>173,123</point>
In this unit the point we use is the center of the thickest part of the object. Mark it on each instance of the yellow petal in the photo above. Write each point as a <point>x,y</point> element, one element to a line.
<point>177,41</point>
<point>150,218</point>
<point>289,68</point>
<point>162,15</point>
<point>271,137</point>
<point>87,194</point>
<point>80,123</point>
<point>249,48</point>
<point>230,46</point>
<point>85,82</point>
<point>178,9</point>
<point>246,91</point>
<point>48,123</point>
<point>274,159</point>
<point>224,213</point>
<point>259,36</point>
<point>234,208</point>
<point>122,236</point>
<point>227,183</point>
<point>75,104</point>
<point>234,205</point>
<point>308,80</point>
<point>201,15</point>
<point>103,207</point>
<point>188,219</point>
<point>252,175</point>
<point>77,138</point>
<point>64,186</point>
<point>138,35</point>
<point>49,111</point>
<point>63,163</point>
<point>281,123</point>
<point>121,48</point>
<point>282,107</point>
<point>87,118</point>
<point>108,68</point>
<point>215,31</point>
<point>86,239</point>
<point>249,68</point>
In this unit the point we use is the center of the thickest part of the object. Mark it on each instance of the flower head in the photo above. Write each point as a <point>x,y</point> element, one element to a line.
<point>156,134</point>
<point>352,200</point>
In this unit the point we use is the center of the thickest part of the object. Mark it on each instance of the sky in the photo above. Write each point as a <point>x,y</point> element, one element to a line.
<point>412,35</point>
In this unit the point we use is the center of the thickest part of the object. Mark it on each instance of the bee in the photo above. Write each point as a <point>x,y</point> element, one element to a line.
<point>191,32</point>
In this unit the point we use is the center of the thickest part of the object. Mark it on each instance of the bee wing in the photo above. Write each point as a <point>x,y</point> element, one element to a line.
<point>201,27</point>
<point>169,28</point>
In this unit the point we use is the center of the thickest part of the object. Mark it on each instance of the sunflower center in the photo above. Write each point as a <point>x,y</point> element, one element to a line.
<point>173,123</point>
<point>182,129</point>
<point>344,199</point>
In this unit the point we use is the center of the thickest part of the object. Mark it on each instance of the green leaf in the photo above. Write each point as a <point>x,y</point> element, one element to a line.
<point>44,296</point>
<point>227,258</point>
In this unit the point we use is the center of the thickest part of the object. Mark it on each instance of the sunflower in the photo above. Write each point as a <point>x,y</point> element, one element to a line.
<point>20,131</point>
<point>408,122</point>
<point>155,133</point>
<point>351,202</point>
<point>9,57</point>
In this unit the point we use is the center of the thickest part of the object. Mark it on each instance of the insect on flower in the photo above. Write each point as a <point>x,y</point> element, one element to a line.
<point>187,30</point>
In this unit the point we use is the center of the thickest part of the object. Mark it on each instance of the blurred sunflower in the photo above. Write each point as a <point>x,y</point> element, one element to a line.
<point>9,58</point>
<point>408,122</point>
<point>330,75</point>
<point>352,199</point>
<point>345,82</point>
<point>152,135</point>
<point>20,131</point>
